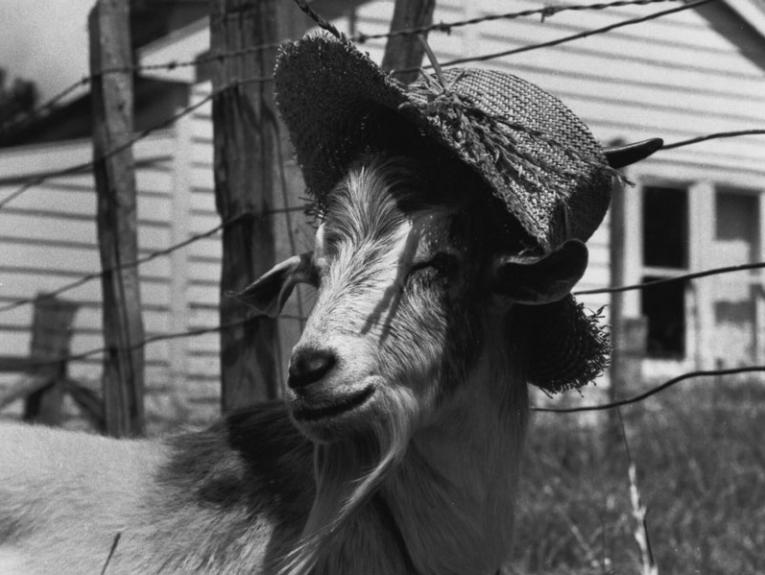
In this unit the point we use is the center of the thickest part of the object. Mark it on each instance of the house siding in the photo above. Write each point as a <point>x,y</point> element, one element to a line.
<point>48,239</point>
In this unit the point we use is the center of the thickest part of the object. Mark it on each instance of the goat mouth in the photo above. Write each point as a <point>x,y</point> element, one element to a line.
<point>334,409</point>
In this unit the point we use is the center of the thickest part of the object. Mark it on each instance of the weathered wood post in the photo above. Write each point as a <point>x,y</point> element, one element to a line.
<point>628,335</point>
<point>406,51</point>
<point>112,96</point>
<point>51,339</point>
<point>616,247</point>
<point>245,146</point>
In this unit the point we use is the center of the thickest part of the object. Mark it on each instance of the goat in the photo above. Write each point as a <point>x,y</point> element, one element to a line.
<point>397,449</point>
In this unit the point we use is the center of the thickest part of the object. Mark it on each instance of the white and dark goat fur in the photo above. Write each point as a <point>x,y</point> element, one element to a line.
<point>397,448</point>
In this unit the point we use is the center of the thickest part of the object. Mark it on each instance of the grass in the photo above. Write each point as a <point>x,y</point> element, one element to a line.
<point>699,451</point>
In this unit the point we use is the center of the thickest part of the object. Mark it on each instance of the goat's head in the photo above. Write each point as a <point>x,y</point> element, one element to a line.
<point>411,262</point>
<point>412,278</point>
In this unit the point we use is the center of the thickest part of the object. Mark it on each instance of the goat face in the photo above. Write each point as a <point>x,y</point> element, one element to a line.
<point>406,286</point>
<point>392,309</point>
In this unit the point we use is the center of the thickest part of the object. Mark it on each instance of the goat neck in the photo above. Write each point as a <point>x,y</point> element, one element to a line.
<point>447,507</point>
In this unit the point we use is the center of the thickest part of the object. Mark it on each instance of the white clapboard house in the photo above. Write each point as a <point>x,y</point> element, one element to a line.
<point>692,73</point>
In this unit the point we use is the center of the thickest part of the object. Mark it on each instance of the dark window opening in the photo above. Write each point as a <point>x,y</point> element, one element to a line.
<point>665,247</point>
<point>665,227</point>
<point>664,308</point>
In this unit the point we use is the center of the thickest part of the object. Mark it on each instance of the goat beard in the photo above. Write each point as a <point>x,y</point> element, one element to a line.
<point>347,473</point>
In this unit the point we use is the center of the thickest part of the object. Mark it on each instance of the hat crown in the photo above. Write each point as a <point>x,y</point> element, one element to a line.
<point>504,95</point>
<point>533,151</point>
<point>534,154</point>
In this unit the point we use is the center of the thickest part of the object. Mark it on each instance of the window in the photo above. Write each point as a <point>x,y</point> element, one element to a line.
<point>665,227</point>
<point>677,227</point>
<point>734,297</point>
<point>665,254</point>
<point>664,308</point>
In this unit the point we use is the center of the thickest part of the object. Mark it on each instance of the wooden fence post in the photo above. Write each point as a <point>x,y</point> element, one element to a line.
<point>406,51</point>
<point>51,338</point>
<point>245,152</point>
<point>112,96</point>
<point>628,335</point>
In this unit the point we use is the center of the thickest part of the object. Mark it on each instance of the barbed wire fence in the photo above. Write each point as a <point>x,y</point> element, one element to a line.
<point>29,185</point>
<point>360,38</point>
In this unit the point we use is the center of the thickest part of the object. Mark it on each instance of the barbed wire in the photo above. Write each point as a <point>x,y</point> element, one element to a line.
<point>35,181</point>
<point>34,364</point>
<point>549,10</point>
<point>653,391</point>
<point>673,279</point>
<point>564,39</point>
<point>38,180</point>
<point>173,64</point>
<point>196,332</point>
<point>445,27</point>
<point>86,166</point>
<point>172,119</point>
<point>192,239</point>
<point>545,12</point>
<point>50,104</point>
<point>45,107</point>
<point>715,136</point>
<point>96,275</point>
<point>89,165</point>
<point>167,122</point>
<point>150,257</point>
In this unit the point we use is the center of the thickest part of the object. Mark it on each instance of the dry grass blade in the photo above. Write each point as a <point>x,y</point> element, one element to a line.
<point>639,511</point>
<point>111,552</point>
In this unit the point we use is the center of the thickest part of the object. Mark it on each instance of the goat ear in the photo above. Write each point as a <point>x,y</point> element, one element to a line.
<point>268,293</point>
<point>534,280</point>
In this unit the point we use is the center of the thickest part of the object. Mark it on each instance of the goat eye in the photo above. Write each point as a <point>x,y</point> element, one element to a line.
<point>444,264</point>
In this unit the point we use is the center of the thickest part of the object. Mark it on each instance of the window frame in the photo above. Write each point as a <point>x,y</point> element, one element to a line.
<point>699,313</point>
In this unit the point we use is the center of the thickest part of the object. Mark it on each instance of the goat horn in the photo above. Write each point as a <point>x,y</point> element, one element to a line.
<point>620,156</point>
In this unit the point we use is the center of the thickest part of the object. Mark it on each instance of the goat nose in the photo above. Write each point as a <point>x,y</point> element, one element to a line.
<point>308,366</point>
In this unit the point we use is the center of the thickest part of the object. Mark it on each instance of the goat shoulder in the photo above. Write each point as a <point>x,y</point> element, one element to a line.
<point>229,499</point>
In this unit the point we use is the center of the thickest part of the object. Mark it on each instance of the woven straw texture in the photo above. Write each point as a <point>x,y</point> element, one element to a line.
<point>534,153</point>
<point>565,346</point>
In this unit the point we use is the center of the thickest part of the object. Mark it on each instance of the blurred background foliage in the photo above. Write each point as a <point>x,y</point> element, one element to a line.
<point>700,456</point>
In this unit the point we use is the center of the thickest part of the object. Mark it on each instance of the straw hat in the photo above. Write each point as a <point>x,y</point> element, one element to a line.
<point>534,154</point>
